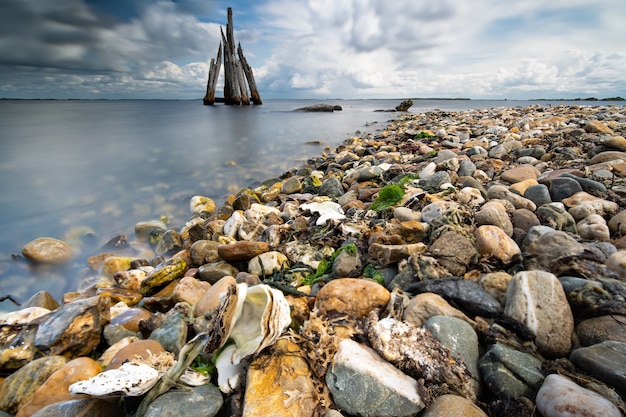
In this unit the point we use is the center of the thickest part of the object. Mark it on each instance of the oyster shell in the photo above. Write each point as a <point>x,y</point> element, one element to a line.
<point>130,379</point>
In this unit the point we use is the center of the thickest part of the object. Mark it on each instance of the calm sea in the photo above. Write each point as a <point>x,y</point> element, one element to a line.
<point>71,168</point>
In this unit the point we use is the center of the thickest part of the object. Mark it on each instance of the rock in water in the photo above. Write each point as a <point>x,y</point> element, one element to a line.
<point>405,105</point>
<point>537,300</point>
<point>364,384</point>
<point>48,250</point>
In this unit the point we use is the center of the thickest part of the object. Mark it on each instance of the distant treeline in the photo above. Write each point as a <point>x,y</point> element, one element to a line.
<point>582,99</point>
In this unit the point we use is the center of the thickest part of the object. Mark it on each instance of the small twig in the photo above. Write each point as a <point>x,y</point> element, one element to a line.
<point>11,299</point>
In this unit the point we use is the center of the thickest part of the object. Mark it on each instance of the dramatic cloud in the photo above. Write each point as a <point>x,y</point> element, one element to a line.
<point>316,48</point>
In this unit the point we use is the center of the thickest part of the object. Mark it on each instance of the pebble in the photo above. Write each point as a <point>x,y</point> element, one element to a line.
<point>560,397</point>
<point>48,250</point>
<point>537,300</point>
<point>513,232</point>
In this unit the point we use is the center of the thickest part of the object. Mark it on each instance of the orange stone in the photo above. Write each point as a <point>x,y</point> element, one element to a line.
<point>56,387</point>
<point>353,296</point>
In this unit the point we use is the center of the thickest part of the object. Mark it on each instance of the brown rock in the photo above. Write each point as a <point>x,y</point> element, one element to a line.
<point>452,406</point>
<point>388,254</point>
<point>190,290</point>
<point>74,329</point>
<point>494,213</point>
<point>493,242</point>
<point>204,251</point>
<point>130,318</point>
<point>242,250</point>
<point>48,250</point>
<point>411,231</point>
<point>598,329</point>
<point>56,387</point>
<point>521,187</point>
<point>279,384</point>
<point>607,156</point>
<point>19,387</point>
<point>520,173</point>
<point>143,348</point>
<point>616,142</point>
<point>598,127</point>
<point>426,305</point>
<point>454,251</point>
<point>352,296</point>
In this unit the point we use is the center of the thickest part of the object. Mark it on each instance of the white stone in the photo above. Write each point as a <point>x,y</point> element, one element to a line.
<point>258,212</point>
<point>232,225</point>
<point>560,397</point>
<point>428,170</point>
<point>266,263</point>
<point>470,196</point>
<point>593,227</point>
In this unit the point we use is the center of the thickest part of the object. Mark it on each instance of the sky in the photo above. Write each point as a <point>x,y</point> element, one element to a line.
<point>316,49</point>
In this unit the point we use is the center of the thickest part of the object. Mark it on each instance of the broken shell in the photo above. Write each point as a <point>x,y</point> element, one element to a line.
<point>194,378</point>
<point>327,210</point>
<point>128,380</point>
<point>230,377</point>
<point>265,314</point>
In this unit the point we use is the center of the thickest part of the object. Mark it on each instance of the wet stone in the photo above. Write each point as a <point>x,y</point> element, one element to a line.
<point>203,401</point>
<point>215,271</point>
<point>511,373</point>
<point>48,250</point>
<point>538,194</point>
<point>563,187</point>
<point>599,329</point>
<point>605,361</point>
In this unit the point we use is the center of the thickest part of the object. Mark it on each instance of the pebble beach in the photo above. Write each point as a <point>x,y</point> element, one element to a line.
<point>453,263</point>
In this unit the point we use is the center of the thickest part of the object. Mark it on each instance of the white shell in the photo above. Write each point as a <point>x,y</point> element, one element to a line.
<point>128,380</point>
<point>265,314</point>
<point>229,376</point>
<point>326,209</point>
<point>194,378</point>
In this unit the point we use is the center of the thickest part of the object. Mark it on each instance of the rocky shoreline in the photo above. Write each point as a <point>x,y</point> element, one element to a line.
<point>453,264</point>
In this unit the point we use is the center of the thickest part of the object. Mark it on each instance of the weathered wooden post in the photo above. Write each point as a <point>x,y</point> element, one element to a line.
<point>214,73</point>
<point>237,72</point>
<point>254,93</point>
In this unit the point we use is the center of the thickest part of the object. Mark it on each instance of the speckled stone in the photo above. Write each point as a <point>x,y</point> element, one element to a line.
<point>602,328</point>
<point>450,405</point>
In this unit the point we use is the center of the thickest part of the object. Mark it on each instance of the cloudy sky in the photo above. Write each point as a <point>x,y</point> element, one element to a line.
<point>316,48</point>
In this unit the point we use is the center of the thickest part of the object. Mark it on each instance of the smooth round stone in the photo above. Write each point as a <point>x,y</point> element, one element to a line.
<point>492,241</point>
<point>353,296</point>
<point>605,361</point>
<point>593,227</point>
<point>428,170</point>
<point>267,263</point>
<point>520,173</point>
<point>563,187</point>
<point>510,373</point>
<point>435,181</point>
<point>587,185</point>
<point>524,219</point>
<point>600,207</point>
<point>496,284</point>
<point>172,334</point>
<point>189,290</point>
<point>537,300</point>
<point>143,229</point>
<point>617,223</point>
<point>495,214</point>
<point>347,264</point>
<point>215,271</point>
<point>130,318</point>
<point>450,405</point>
<point>203,252</point>
<point>521,186</point>
<point>435,210</point>
<point>598,127</point>
<point>607,156</point>
<point>141,348</point>
<point>91,407</point>
<point>55,389</point>
<point>331,187</point>
<point>617,262</point>
<point>560,397</point>
<point>201,205</point>
<point>426,305</point>
<point>48,250</point>
<point>444,155</point>
<point>615,142</point>
<point>292,185</point>
<point>470,196</point>
<point>538,194</point>
<point>599,329</point>
<point>406,214</point>
<point>203,401</point>
<point>242,250</point>
<point>466,168</point>
<point>368,173</point>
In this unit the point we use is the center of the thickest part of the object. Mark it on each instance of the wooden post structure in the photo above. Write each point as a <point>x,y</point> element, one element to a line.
<point>256,98</point>
<point>237,72</point>
<point>214,73</point>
